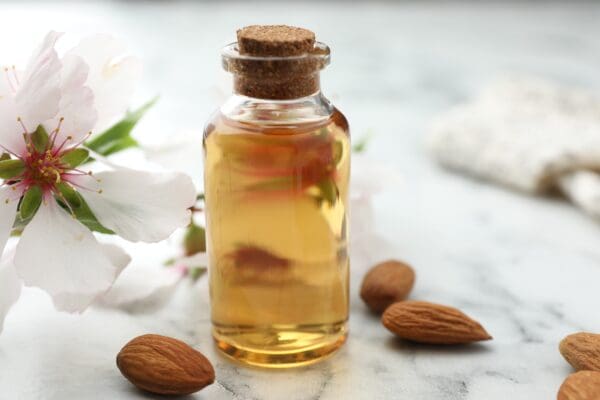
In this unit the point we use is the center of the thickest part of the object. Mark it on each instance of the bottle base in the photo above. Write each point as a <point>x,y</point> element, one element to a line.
<point>280,346</point>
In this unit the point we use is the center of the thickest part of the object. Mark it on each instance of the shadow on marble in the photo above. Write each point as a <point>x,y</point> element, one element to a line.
<point>400,345</point>
<point>140,394</point>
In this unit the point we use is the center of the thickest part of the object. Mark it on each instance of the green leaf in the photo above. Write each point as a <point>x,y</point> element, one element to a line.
<point>70,194</point>
<point>31,202</point>
<point>11,168</point>
<point>5,156</point>
<point>75,157</point>
<point>196,272</point>
<point>79,207</point>
<point>361,144</point>
<point>169,262</point>
<point>39,138</point>
<point>84,214</point>
<point>19,225</point>
<point>117,137</point>
<point>194,240</point>
<point>119,145</point>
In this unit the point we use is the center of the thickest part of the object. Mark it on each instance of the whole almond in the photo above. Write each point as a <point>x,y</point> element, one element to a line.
<point>582,351</point>
<point>163,365</point>
<point>387,283</point>
<point>582,385</point>
<point>425,322</point>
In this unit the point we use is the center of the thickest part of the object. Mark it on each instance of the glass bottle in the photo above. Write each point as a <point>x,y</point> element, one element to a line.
<point>277,165</point>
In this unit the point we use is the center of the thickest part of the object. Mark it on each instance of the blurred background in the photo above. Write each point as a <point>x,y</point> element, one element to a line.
<point>394,63</point>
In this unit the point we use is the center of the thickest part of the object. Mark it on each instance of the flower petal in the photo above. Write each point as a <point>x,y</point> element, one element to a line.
<point>9,201</point>
<point>178,152</point>
<point>10,287</point>
<point>4,88</point>
<point>142,288</point>
<point>76,106</point>
<point>61,256</point>
<point>117,256</point>
<point>140,206</point>
<point>112,77</point>
<point>11,137</point>
<point>39,94</point>
<point>72,301</point>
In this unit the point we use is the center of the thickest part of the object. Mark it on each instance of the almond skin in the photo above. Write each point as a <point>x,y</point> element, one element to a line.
<point>425,322</point>
<point>582,351</point>
<point>163,365</point>
<point>582,385</point>
<point>387,283</point>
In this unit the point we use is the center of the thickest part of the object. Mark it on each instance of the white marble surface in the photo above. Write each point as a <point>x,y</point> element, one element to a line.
<point>527,268</point>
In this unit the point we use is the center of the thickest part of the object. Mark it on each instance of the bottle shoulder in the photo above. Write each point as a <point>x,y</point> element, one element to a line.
<point>340,120</point>
<point>272,117</point>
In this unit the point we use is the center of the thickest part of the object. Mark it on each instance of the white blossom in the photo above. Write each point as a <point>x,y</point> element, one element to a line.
<point>47,112</point>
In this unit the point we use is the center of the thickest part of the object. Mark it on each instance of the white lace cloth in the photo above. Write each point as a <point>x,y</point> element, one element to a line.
<point>528,134</point>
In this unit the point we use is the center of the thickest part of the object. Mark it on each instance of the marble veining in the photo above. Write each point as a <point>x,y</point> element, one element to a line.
<point>527,268</point>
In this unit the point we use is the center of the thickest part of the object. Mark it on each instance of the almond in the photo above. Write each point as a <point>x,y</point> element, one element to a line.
<point>425,322</point>
<point>163,365</point>
<point>582,385</point>
<point>387,283</point>
<point>582,351</point>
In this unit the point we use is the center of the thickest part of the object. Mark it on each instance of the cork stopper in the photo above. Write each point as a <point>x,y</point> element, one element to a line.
<point>276,62</point>
<point>275,40</point>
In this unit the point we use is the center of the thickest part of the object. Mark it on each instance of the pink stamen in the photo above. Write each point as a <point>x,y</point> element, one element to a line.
<point>57,151</point>
<point>80,172</point>
<point>54,133</point>
<point>79,143</point>
<point>78,186</point>
<point>68,176</point>
<point>20,121</point>
<point>28,144</point>
<point>10,152</point>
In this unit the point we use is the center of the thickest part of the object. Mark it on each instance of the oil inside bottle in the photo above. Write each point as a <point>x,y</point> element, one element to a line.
<point>276,199</point>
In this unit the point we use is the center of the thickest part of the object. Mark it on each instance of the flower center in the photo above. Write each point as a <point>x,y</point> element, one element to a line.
<point>44,169</point>
<point>48,161</point>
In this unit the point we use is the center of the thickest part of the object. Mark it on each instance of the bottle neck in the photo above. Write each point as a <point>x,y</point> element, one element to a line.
<point>308,109</point>
<point>276,77</point>
<point>282,87</point>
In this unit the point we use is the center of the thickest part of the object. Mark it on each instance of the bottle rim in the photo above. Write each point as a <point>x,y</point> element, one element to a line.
<point>320,56</point>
